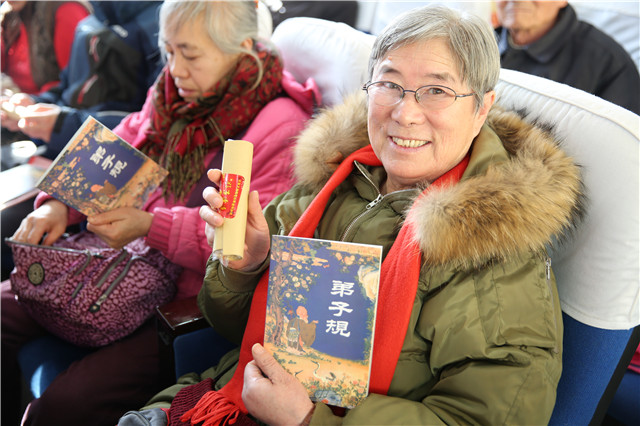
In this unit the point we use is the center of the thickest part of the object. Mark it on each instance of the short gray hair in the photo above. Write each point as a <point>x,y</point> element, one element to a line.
<point>470,39</point>
<point>228,23</point>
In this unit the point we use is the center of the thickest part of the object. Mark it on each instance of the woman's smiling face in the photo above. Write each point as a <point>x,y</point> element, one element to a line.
<point>415,144</point>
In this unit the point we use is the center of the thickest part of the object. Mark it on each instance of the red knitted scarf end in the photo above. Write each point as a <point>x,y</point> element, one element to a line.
<point>212,409</point>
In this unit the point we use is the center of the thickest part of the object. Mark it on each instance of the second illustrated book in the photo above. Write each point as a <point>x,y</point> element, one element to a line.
<point>97,171</point>
<point>321,312</point>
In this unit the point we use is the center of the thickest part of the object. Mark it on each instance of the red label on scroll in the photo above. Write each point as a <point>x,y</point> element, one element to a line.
<point>230,189</point>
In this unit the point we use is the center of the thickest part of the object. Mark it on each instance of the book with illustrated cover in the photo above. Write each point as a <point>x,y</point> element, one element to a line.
<point>97,171</point>
<point>321,311</point>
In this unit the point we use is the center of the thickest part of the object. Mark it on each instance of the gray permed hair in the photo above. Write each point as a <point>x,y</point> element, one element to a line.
<point>228,23</point>
<point>470,39</point>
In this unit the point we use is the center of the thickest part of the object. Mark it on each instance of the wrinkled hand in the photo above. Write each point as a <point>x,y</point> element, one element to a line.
<point>271,394</point>
<point>37,121</point>
<point>120,226</point>
<point>50,219</point>
<point>11,109</point>
<point>257,239</point>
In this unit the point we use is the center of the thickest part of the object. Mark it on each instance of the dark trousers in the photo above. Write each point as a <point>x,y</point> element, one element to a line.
<point>96,390</point>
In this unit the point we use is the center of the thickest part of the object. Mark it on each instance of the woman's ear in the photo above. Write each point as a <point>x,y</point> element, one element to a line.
<point>483,111</point>
<point>489,100</point>
<point>247,44</point>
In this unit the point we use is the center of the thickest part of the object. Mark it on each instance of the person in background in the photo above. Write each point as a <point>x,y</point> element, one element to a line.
<point>219,82</point>
<point>114,60</point>
<point>464,199</point>
<point>545,38</point>
<point>36,41</point>
<point>337,11</point>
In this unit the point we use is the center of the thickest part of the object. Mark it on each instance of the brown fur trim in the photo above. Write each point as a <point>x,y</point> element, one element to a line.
<point>514,207</point>
<point>331,137</point>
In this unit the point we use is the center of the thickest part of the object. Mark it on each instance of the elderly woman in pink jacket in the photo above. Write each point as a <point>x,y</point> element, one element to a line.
<point>219,83</point>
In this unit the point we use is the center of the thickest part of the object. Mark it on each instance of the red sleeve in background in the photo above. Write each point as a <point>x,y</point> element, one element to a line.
<point>635,361</point>
<point>67,18</point>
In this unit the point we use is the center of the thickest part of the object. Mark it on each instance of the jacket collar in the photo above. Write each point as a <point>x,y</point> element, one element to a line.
<point>520,189</point>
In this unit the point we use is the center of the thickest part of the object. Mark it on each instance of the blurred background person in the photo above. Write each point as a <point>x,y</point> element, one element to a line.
<point>545,38</point>
<point>36,41</point>
<point>221,81</point>
<point>114,60</point>
<point>337,11</point>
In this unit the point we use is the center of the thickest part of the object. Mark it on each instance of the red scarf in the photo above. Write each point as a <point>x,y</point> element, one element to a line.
<point>181,133</point>
<point>398,287</point>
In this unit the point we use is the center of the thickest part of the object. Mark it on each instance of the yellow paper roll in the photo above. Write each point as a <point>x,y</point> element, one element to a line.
<point>234,188</point>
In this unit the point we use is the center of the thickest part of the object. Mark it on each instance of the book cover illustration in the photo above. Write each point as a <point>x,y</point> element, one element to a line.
<point>320,318</point>
<point>97,171</point>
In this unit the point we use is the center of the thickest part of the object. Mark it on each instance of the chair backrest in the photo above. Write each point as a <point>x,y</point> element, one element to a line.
<point>333,53</point>
<point>597,269</point>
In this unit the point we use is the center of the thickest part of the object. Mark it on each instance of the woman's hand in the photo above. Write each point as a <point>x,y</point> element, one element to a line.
<point>11,109</point>
<point>120,226</point>
<point>257,239</point>
<point>271,394</point>
<point>37,121</point>
<point>50,219</point>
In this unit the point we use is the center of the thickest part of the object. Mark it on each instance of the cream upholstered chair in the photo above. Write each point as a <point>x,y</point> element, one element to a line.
<point>597,270</point>
<point>333,53</point>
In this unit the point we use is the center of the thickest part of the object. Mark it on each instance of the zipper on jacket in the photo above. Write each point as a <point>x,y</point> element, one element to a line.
<point>547,268</point>
<point>368,207</point>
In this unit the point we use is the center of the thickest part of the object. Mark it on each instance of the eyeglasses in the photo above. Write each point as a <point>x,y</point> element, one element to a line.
<point>386,93</point>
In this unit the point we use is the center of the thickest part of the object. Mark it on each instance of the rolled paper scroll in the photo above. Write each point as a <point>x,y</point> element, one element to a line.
<point>234,188</point>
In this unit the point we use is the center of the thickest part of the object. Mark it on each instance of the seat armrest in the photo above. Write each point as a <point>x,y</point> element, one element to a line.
<point>173,320</point>
<point>180,316</point>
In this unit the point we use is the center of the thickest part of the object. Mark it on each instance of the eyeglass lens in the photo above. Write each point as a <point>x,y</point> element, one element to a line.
<point>434,97</point>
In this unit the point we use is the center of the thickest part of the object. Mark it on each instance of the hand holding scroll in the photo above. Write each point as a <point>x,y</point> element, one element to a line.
<point>257,238</point>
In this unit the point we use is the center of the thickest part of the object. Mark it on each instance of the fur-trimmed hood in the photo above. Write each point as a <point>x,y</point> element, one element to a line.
<point>514,206</point>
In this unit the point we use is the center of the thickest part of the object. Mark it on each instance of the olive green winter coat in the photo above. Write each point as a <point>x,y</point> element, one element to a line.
<point>484,343</point>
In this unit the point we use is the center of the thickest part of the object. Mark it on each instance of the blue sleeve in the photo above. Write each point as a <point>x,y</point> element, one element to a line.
<point>69,122</point>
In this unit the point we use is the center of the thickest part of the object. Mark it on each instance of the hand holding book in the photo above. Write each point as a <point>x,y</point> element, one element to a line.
<point>271,393</point>
<point>120,226</point>
<point>97,171</point>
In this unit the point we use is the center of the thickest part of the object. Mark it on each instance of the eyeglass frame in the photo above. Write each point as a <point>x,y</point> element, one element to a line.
<point>368,84</point>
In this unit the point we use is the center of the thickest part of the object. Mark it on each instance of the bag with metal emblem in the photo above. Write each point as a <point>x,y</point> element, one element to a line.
<point>88,293</point>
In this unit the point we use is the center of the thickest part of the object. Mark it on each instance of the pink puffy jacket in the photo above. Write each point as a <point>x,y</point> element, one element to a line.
<point>177,230</point>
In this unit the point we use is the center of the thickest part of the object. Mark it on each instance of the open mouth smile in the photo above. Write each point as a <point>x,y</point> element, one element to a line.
<point>408,143</point>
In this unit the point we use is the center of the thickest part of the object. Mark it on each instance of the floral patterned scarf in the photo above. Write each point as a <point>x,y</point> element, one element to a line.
<point>181,133</point>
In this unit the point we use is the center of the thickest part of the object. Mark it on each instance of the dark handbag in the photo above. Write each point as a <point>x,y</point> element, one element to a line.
<point>88,293</point>
<point>148,417</point>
